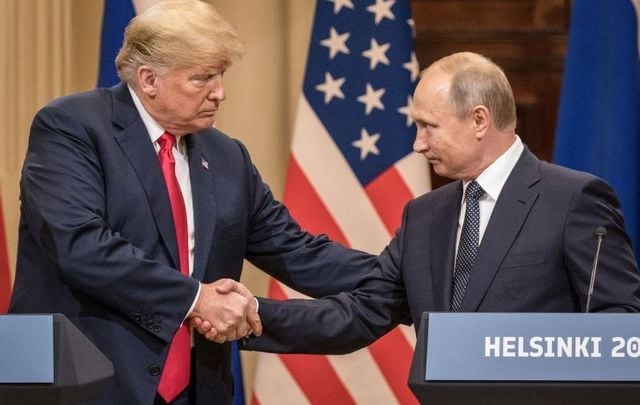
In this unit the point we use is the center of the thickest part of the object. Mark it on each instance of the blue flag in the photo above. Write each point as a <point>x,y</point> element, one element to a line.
<point>236,371</point>
<point>599,119</point>
<point>117,14</point>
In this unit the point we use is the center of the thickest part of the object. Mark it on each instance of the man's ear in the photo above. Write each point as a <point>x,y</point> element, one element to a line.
<point>481,117</point>
<point>147,80</point>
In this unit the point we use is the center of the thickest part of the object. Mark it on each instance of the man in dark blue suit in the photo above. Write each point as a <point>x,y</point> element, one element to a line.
<point>105,241</point>
<point>534,229</point>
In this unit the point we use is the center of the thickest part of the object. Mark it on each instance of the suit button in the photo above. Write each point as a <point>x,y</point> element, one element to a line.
<point>154,369</point>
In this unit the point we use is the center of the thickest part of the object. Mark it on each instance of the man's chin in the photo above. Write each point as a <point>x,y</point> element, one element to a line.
<point>205,123</point>
<point>438,168</point>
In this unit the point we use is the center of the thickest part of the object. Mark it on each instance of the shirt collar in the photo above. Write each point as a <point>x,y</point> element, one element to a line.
<point>154,129</point>
<point>493,178</point>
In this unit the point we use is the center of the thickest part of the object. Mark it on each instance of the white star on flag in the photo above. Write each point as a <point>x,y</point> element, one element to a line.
<point>382,9</point>
<point>406,110</point>
<point>412,66</point>
<point>367,144</point>
<point>412,24</point>
<point>336,43</point>
<point>376,54</point>
<point>331,87</point>
<point>338,4</point>
<point>371,99</point>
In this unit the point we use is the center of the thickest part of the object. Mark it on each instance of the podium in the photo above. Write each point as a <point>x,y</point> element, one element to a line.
<point>522,359</point>
<point>45,359</point>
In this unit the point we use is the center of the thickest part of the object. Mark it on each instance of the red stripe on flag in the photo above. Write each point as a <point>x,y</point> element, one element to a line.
<point>317,379</point>
<point>306,206</point>
<point>389,193</point>
<point>276,292</point>
<point>5,277</point>
<point>395,368</point>
<point>305,370</point>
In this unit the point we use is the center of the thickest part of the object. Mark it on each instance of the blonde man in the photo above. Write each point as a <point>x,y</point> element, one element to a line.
<point>137,215</point>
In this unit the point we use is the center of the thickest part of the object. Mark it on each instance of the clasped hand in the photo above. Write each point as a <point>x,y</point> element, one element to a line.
<point>225,311</point>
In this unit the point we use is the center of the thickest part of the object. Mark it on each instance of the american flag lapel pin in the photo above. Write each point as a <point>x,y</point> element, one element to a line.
<point>205,164</point>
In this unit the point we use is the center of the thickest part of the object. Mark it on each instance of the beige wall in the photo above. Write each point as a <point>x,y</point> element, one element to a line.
<point>50,47</point>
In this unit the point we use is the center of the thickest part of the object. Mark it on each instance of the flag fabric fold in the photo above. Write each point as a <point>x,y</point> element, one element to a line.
<point>5,270</point>
<point>350,173</point>
<point>598,127</point>
<point>117,14</point>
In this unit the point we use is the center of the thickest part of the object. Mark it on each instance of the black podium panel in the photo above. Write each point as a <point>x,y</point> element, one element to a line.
<point>81,371</point>
<point>532,393</point>
<point>512,392</point>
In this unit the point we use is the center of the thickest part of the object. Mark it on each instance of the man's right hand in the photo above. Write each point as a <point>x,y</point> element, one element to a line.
<point>225,311</point>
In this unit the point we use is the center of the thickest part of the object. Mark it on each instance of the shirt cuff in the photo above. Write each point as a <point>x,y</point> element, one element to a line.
<point>193,304</point>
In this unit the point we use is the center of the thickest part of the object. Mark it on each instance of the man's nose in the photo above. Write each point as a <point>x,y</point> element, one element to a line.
<point>420,144</point>
<point>216,89</point>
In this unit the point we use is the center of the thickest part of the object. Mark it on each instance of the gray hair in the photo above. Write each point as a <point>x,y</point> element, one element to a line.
<point>476,80</point>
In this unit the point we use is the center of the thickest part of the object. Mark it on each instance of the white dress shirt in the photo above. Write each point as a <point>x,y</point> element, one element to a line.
<point>492,180</point>
<point>182,173</point>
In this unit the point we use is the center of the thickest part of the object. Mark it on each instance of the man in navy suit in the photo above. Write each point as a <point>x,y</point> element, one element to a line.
<point>100,226</point>
<point>534,229</point>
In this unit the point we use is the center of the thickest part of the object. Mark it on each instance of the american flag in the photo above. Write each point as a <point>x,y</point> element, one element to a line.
<point>350,173</point>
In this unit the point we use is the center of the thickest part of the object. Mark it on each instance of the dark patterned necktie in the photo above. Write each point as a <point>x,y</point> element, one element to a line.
<point>468,246</point>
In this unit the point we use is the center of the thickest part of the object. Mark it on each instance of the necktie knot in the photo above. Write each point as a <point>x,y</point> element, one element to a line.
<point>166,141</point>
<point>474,191</point>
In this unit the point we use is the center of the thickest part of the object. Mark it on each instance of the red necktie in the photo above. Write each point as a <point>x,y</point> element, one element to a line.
<point>175,376</point>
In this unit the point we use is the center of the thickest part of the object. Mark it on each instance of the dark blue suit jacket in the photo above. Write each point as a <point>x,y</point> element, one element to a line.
<point>535,256</point>
<point>97,238</point>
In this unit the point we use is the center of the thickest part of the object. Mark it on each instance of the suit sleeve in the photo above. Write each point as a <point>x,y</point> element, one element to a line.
<point>313,265</point>
<point>335,324</point>
<point>339,323</point>
<point>617,283</point>
<point>64,206</point>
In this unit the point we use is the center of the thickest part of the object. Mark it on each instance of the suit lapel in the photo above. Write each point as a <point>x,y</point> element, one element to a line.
<point>443,248</point>
<point>509,214</point>
<point>136,145</point>
<point>204,202</point>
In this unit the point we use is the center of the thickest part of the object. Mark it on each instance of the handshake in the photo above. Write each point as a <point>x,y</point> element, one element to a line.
<point>225,311</point>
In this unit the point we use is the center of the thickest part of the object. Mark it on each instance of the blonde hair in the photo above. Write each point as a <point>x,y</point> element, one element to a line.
<point>177,33</point>
<point>476,80</point>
